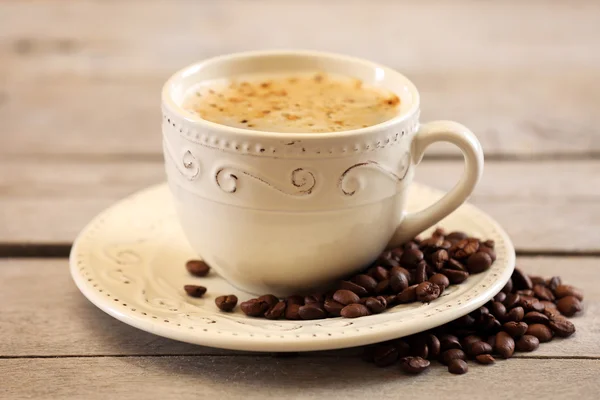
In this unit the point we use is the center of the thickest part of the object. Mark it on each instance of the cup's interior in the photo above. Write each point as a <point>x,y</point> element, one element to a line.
<point>289,61</point>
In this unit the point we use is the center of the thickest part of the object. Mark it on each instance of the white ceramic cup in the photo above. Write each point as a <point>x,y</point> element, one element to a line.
<point>287,212</point>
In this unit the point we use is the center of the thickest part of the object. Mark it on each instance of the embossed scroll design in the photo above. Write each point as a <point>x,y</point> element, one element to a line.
<point>188,166</point>
<point>302,180</point>
<point>350,181</point>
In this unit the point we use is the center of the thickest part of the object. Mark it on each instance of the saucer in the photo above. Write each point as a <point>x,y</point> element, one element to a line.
<point>130,262</point>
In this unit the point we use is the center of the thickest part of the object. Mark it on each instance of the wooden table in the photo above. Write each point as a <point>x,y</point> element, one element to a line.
<point>79,129</point>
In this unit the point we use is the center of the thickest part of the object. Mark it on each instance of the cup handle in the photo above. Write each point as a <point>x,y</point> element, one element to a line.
<point>459,135</point>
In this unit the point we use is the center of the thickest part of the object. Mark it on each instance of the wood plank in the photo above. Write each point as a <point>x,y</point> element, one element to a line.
<point>44,315</point>
<point>49,201</point>
<point>313,378</point>
<point>71,84</point>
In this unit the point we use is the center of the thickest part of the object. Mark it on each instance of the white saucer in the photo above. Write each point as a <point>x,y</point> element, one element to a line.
<point>129,261</point>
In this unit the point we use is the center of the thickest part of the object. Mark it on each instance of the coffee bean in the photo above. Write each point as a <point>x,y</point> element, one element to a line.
<point>516,314</point>
<point>269,299</point>
<point>458,367</point>
<point>568,290</point>
<point>543,293</point>
<point>464,248</point>
<point>421,272</point>
<point>489,251</point>
<point>414,365</point>
<point>419,348</point>
<point>402,346</point>
<point>431,244</point>
<point>299,300</point>
<point>515,329</point>
<point>520,280</point>
<point>413,244</point>
<point>391,262</point>
<point>452,354</point>
<point>354,311</point>
<point>548,304</point>
<point>530,304</point>
<point>411,258</point>
<point>197,267</point>
<point>333,307</point>
<point>552,312</point>
<point>400,270</point>
<point>455,277</point>
<point>469,340</point>
<point>526,293</point>
<point>439,259</point>
<point>382,287</point>
<point>542,332</point>
<point>456,236</point>
<point>313,298</point>
<point>554,282</point>
<point>569,305</point>
<point>527,343</point>
<point>480,311</point>
<point>500,297</point>
<point>226,303</point>
<point>441,280</point>
<point>537,280</point>
<point>505,345</point>
<point>365,281</point>
<point>385,355</point>
<point>276,312</point>
<point>408,295</point>
<point>508,287</point>
<point>379,273</point>
<point>398,282</point>
<point>464,322</point>
<point>489,243</point>
<point>254,307</point>
<point>376,304</point>
<point>312,311</point>
<point>487,322</point>
<point>427,292</point>
<point>478,348</point>
<point>345,297</point>
<point>491,340</point>
<point>194,290</point>
<point>562,327</point>
<point>448,342</point>
<point>455,265</point>
<point>390,300</point>
<point>485,359</point>
<point>497,309</point>
<point>292,311</point>
<point>353,287</point>
<point>433,345</point>
<point>478,262</point>
<point>534,317</point>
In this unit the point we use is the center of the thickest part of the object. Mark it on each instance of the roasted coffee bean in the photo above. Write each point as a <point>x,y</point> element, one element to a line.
<point>431,244</point>
<point>448,342</point>
<point>365,281</point>
<point>464,322</point>
<point>420,273</point>
<point>270,299</point>
<point>254,307</point>
<point>411,258</point>
<point>455,265</point>
<point>552,312</point>
<point>530,304</point>
<point>478,348</point>
<point>485,359</point>
<point>391,262</point>
<point>542,332</point>
<point>527,343</point>
<point>520,280</point>
<point>456,236</point>
<point>408,295</point>
<point>376,304</point>
<point>508,287</point>
<point>383,287</point>
<point>292,311</point>
<point>479,262</point>
<point>313,298</point>
<point>427,292</point>
<point>312,311</point>
<point>464,248</point>
<point>400,270</point>
<point>537,280</point>
<point>487,322</point>
<point>439,259</point>
<point>402,346</point>
<point>413,244</point>
<point>455,277</point>
<point>489,251</point>
<point>385,355</point>
<point>379,273</point>
<point>491,340</point>
<point>568,290</point>
<point>497,309</point>
<point>515,329</point>
<point>479,312</point>
<point>534,317</point>
<point>452,354</point>
<point>548,304</point>
<point>516,314</point>
<point>505,345</point>
<point>345,297</point>
<point>398,282</point>
<point>441,280</point>
<point>194,290</point>
<point>489,243</point>
<point>354,311</point>
<point>226,303</point>
<point>458,367</point>
<point>419,348</point>
<point>433,345</point>
<point>526,293</point>
<point>333,307</point>
<point>469,340</point>
<point>295,299</point>
<point>554,282</point>
<point>197,267</point>
<point>391,300</point>
<point>569,305</point>
<point>414,365</point>
<point>276,312</point>
<point>353,287</point>
<point>500,297</point>
<point>562,327</point>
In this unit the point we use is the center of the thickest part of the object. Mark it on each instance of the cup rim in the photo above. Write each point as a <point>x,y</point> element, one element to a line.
<point>189,117</point>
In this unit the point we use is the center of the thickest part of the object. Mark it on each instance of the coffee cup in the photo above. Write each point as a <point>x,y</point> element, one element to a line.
<point>285,212</point>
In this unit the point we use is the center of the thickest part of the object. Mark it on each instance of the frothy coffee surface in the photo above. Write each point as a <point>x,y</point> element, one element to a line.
<point>302,102</point>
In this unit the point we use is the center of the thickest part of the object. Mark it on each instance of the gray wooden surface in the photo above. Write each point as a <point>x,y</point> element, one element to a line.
<point>79,129</point>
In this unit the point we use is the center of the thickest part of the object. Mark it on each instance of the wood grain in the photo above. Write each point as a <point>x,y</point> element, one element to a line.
<point>314,378</point>
<point>44,315</point>
<point>71,84</point>
<point>544,206</point>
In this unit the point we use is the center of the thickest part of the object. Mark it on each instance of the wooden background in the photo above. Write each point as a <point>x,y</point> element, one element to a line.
<point>79,129</point>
